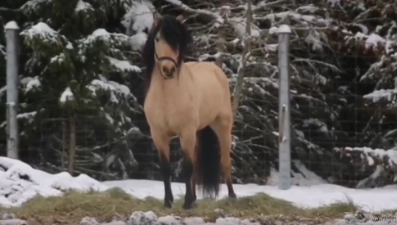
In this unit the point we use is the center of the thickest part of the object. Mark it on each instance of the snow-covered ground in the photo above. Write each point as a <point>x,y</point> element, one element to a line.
<point>19,182</point>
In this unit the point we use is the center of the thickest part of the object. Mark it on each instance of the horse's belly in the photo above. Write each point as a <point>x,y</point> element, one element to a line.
<point>170,120</point>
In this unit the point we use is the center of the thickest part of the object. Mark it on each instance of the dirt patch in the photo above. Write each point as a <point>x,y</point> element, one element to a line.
<point>73,206</point>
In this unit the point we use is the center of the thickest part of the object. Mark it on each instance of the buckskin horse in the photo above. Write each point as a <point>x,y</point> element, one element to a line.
<point>191,101</point>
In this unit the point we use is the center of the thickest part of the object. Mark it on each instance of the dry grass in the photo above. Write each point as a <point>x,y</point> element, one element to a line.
<point>73,206</point>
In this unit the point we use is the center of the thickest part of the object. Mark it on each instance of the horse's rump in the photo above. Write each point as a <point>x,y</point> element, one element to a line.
<point>212,90</point>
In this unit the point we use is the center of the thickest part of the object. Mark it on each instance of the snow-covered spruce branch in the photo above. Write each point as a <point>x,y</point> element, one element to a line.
<point>321,63</point>
<point>263,4</point>
<point>386,158</point>
<point>203,12</point>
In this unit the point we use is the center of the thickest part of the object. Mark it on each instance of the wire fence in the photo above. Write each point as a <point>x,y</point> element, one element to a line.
<point>316,151</point>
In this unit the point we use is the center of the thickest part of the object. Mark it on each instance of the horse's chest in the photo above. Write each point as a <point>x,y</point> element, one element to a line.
<point>170,111</point>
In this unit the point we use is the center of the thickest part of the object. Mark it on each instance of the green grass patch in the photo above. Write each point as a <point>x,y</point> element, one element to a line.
<point>73,206</point>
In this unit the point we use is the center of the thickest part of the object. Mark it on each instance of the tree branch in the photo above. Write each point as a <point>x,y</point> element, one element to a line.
<point>242,67</point>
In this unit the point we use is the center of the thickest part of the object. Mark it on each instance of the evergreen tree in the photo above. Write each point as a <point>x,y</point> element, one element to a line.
<point>74,83</point>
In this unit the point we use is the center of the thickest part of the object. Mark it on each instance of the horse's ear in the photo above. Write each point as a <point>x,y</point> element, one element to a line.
<point>156,18</point>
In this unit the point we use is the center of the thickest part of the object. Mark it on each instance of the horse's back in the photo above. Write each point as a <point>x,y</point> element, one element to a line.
<point>209,75</point>
<point>213,90</point>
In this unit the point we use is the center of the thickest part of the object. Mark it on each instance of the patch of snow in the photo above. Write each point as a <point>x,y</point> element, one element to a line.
<point>295,16</point>
<point>112,86</point>
<point>58,58</point>
<point>308,8</point>
<point>139,17</point>
<point>380,94</point>
<point>123,65</point>
<point>33,6</point>
<point>83,6</point>
<point>389,46</point>
<point>219,20</point>
<point>239,25</point>
<point>109,118</point>
<point>321,126</point>
<point>377,173</point>
<point>41,29</point>
<point>19,182</point>
<point>120,88</point>
<point>34,83</point>
<point>304,177</point>
<point>29,83</point>
<point>373,40</point>
<point>376,199</point>
<point>233,220</point>
<point>140,217</point>
<point>69,46</point>
<point>271,47</point>
<point>12,25</point>
<point>3,90</point>
<point>391,154</point>
<point>66,95</point>
<point>137,41</point>
<point>284,29</point>
<point>273,30</point>
<point>100,33</point>
<point>29,115</point>
<point>2,50</point>
<point>360,36</point>
<point>169,220</point>
<point>314,39</point>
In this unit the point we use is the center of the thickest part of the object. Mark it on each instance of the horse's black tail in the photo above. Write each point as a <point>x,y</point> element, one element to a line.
<point>208,159</point>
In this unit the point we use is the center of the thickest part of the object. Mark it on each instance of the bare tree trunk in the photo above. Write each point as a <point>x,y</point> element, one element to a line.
<point>240,78</point>
<point>72,143</point>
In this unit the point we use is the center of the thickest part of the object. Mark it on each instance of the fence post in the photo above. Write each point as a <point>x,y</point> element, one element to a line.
<point>284,33</point>
<point>12,33</point>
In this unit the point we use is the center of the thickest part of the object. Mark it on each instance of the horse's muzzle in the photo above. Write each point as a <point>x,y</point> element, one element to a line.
<point>169,72</point>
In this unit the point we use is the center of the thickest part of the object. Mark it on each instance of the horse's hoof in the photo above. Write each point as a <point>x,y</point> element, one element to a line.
<point>188,206</point>
<point>167,205</point>
<point>232,196</point>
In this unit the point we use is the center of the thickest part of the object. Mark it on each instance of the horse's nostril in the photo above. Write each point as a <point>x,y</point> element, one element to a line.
<point>166,70</point>
<point>172,70</point>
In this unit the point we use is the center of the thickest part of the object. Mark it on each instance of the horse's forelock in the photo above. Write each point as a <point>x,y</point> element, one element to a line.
<point>176,35</point>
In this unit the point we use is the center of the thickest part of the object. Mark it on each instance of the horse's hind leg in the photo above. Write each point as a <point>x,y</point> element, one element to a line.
<point>223,127</point>
<point>163,148</point>
<point>188,143</point>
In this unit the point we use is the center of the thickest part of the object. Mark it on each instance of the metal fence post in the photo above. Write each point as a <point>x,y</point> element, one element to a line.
<point>12,33</point>
<point>284,33</point>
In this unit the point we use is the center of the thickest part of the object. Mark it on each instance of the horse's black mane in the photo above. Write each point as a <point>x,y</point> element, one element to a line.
<point>175,34</point>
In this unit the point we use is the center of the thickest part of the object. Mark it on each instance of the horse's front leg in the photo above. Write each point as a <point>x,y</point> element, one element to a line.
<point>188,143</point>
<point>163,148</point>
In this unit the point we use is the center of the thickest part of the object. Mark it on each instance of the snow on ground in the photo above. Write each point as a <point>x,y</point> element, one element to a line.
<point>19,182</point>
<point>304,196</point>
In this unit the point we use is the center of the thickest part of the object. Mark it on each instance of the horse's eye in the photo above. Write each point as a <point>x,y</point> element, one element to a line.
<point>157,39</point>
